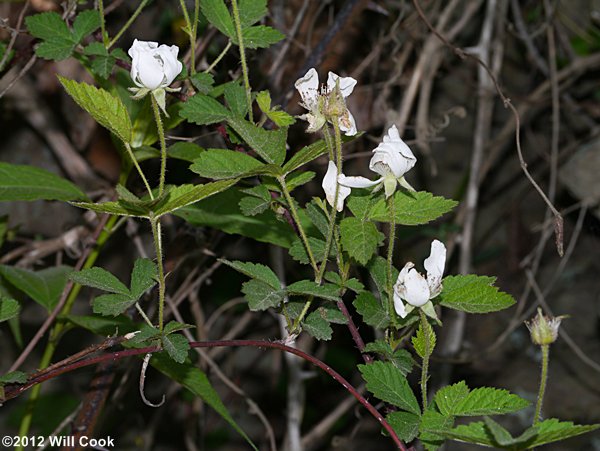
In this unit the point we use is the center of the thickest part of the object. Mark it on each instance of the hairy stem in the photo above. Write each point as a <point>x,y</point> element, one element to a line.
<point>105,39</point>
<point>139,169</point>
<point>240,38</point>
<point>156,234</point>
<point>163,145</point>
<point>390,261</point>
<point>543,380</point>
<point>127,24</point>
<point>427,353</point>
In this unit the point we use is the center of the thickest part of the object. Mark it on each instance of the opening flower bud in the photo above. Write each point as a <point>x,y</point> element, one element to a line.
<point>543,329</point>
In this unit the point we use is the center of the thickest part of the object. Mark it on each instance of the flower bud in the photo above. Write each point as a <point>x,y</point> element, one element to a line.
<point>543,329</point>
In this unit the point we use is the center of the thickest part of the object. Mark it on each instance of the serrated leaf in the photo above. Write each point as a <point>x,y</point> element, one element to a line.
<point>473,294</point>
<point>412,208</point>
<point>501,436</point>
<point>489,401</point>
<point>14,377</point>
<point>175,326</point>
<point>369,307</point>
<point>223,164</point>
<point>432,423</point>
<point>400,358</point>
<point>255,271</point>
<point>108,110</point>
<point>176,346</point>
<point>9,308</point>
<point>21,182</point>
<point>305,155</point>
<point>146,336</point>
<point>360,203</point>
<point>378,270</point>
<point>251,11</point>
<point>103,62</point>
<point>281,118</point>
<point>44,287</point>
<point>387,383</point>
<point>310,288</point>
<point>552,430</point>
<point>216,13</point>
<point>114,208</point>
<point>235,96</point>
<point>263,99</point>
<point>195,380</point>
<point>202,81</point>
<point>261,296</point>
<point>316,325</point>
<point>360,239</point>
<point>184,195</point>
<point>57,49</point>
<point>405,424</point>
<point>268,144</point>
<point>143,276</point>
<point>448,398</point>
<point>298,178</point>
<point>85,23</point>
<point>58,42</point>
<point>252,206</point>
<point>298,251</point>
<point>424,341</point>
<point>203,110</point>
<point>112,304</point>
<point>261,36</point>
<point>101,279</point>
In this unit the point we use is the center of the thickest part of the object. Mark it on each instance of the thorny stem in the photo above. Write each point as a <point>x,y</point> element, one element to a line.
<point>13,390</point>
<point>59,328</point>
<point>390,260</point>
<point>139,169</point>
<point>163,145</point>
<point>127,24</point>
<point>427,353</point>
<point>156,234</point>
<point>543,380</point>
<point>238,30</point>
<point>102,23</point>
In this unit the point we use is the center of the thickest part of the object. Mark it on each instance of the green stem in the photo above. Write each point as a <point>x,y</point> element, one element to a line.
<point>60,327</point>
<point>163,145</point>
<point>139,169</point>
<point>105,39</point>
<point>543,380</point>
<point>191,29</point>
<point>194,36</point>
<point>425,365</point>
<point>127,24</point>
<point>156,234</point>
<point>390,261</point>
<point>240,38</point>
<point>328,142</point>
<point>219,58</point>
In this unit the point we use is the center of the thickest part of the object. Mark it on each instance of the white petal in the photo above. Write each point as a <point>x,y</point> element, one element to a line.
<point>399,286</point>
<point>399,306</point>
<point>434,265</point>
<point>329,185</point>
<point>346,84</point>
<point>150,70</point>
<point>141,46</point>
<point>392,134</point>
<point>171,66</point>
<point>356,181</point>
<point>348,124</point>
<point>417,289</point>
<point>308,87</point>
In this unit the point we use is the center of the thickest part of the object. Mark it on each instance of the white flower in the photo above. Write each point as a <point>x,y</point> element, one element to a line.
<point>329,186</point>
<point>391,160</point>
<point>322,102</point>
<point>154,66</point>
<point>415,289</point>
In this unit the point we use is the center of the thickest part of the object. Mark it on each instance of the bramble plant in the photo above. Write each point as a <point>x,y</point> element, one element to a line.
<point>255,187</point>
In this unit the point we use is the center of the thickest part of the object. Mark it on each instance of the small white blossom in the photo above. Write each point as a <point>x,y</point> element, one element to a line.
<point>543,329</point>
<point>417,290</point>
<point>321,101</point>
<point>391,160</point>
<point>329,186</point>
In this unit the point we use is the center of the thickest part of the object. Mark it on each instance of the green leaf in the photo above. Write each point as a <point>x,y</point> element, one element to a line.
<point>222,212</point>
<point>235,96</point>
<point>318,326</point>
<point>299,178</point>
<point>400,358</point>
<point>216,13</point>
<point>176,346</point>
<point>184,195</point>
<point>473,294</point>
<point>103,62</point>
<point>251,11</point>
<point>100,278</point>
<point>194,379</point>
<point>369,307</point>
<point>449,398</point>
<point>252,206</point>
<point>261,36</point>
<point>85,23</point>
<point>421,339</point>
<point>261,296</point>
<point>45,287</point>
<point>20,182</point>
<point>115,208</point>
<point>14,377</point>
<point>224,164</point>
<point>387,383</point>
<point>432,423</point>
<point>412,208</point>
<point>298,251</point>
<point>203,110</point>
<point>269,144</point>
<point>174,326</point>
<point>108,110</point>
<point>360,203</point>
<point>112,304</point>
<point>58,42</point>
<point>103,326</point>
<point>489,401</point>
<point>9,308</point>
<point>360,239</point>
<point>378,270</point>
<point>203,82</point>
<point>501,436</point>
<point>143,276</point>
<point>405,424</point>
<point>552,430</point>
<point>305,155</point>
<point>255,271</point>
<point>281,118</point>
<point>310,288</point>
